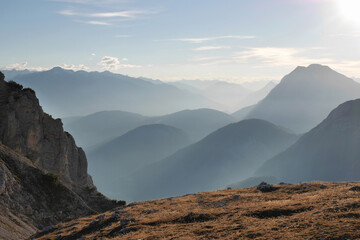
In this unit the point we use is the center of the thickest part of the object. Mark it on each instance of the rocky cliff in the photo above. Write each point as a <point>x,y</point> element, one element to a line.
<point>34,134</point>
<point>43,174</point>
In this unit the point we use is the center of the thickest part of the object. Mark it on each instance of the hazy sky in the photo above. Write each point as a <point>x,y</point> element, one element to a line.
<point>233,40</point>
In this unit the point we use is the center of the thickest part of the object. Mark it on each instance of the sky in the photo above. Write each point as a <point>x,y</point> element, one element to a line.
<point>229,40</point>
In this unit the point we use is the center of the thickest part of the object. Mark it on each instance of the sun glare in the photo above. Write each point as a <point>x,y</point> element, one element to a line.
<point>350,9</point>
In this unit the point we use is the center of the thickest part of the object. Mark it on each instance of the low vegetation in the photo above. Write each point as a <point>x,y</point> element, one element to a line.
<point>302,211</point>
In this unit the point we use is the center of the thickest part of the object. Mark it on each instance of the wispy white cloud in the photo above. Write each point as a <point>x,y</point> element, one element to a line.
<point>207,39</point>
<point>122,14</point>
<point>74,67</point>
<point>113,63</point>
<point>22,66</point>
<point>208,48</point>
<point>272,56</point>
<point>98,23</point>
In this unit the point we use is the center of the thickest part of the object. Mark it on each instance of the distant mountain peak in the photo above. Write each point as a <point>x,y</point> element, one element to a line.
<point>304,97</point>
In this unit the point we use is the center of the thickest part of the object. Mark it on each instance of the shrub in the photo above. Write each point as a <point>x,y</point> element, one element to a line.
<point>52,179</point>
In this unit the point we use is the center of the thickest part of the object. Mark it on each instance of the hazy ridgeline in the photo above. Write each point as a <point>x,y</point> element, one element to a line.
<point>66,93</point>
<point>167,151</point>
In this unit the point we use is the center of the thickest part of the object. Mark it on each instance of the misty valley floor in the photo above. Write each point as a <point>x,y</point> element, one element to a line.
<point>302,211</point>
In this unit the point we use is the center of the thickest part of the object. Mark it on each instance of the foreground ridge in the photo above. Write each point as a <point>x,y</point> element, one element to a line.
<point>305,211</point>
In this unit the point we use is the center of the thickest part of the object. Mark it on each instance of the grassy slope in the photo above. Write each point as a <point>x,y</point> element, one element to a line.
<point>303,211</point>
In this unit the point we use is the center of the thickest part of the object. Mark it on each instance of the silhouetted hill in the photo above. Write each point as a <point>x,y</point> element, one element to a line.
<point>68,93</point>
<point>100,127</point>
<point>243,113</point>
<point>133,150</point>
<point>229,154</point>
<point>196,123</point>
<point>329,152</point>
<point>305,96</point>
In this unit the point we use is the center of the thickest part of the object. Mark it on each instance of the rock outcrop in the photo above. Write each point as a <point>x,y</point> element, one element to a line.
<point>43,174</point>
<point>34,134</point>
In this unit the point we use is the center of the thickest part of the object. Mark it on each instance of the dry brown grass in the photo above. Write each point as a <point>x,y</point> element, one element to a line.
<point>302,211</point>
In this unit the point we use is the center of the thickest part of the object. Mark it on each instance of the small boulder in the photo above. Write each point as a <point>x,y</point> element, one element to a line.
<point>265,187</point>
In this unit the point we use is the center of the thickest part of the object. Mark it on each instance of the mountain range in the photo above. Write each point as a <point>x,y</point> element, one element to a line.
<point>101,127</point>
<point>67,93</point>
<point>229,154</point>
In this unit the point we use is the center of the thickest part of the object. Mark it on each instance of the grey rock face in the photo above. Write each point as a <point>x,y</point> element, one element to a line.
<point>43,174</point>
<point>34,134</point>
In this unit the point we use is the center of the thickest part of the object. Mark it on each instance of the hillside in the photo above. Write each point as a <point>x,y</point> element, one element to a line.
<point>304,97</point>
<point>135,149</point>
<point>100,127</point>
<point>227,155</point>
<point>67,93</point>
<point>303,211</point>
<point>329,152</point>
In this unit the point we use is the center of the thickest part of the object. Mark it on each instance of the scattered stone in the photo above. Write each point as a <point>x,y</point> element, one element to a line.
<point>355,189</point>
<point>265,187</point>
<point>125,231</point>
<point>121,212</point>
<point>47,229</point>
<point>220,204</point>
<point>148,211</point>
<point>94,222</point>
<point>101,217</point>
<point>126,221</point>
<point>235,197</point>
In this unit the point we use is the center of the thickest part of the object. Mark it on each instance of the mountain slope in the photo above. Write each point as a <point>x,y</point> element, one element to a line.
<point>98,128</point>
<point>305,96</point>
<point>196,123</point>
<point>302,211</point>
<point>229,154</point>
<point>329,152</point>
<point>101,127</point>
<point>135,149</point>
<point>68,93</point>
<point>257,96</point>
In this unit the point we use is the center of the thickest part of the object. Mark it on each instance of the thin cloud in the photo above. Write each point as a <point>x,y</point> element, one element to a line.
<point>113,63</point>
<point>98,23</point>
<point>207,39</point>
<point>74,67</point>
<point>121,14</point>
<point>208,48</point>
<point>22,66</point>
